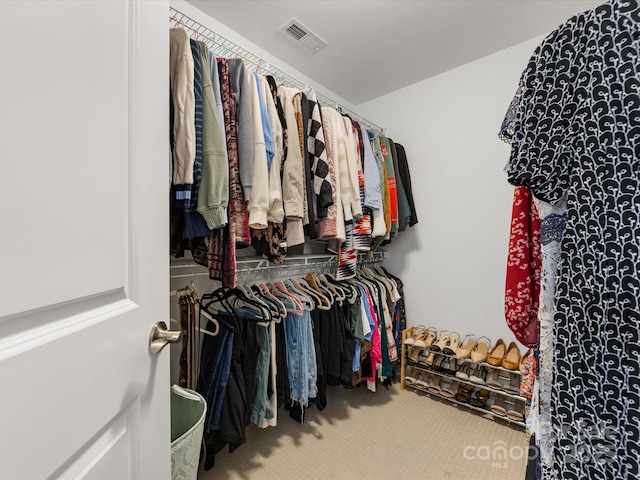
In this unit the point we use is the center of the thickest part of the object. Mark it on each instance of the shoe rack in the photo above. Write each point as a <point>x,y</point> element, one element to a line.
<point>430,379</point>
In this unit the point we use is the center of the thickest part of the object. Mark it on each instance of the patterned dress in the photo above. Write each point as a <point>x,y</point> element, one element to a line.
<point>576,132</point>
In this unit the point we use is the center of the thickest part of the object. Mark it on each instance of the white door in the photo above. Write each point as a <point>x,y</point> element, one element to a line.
<point>84,239</point>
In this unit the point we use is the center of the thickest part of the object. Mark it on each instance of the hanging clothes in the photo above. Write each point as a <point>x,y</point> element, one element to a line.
<point>293,174</point>
<point>223,242</point>
<point>194,223</point>
<point>317,150</point>
<point>405,176</point>
<point>328,225</point>
<point>243,114</point>
<point>213,193</point>
<point>574,134</point>
<point>181,80</point>
<point>522,291</point>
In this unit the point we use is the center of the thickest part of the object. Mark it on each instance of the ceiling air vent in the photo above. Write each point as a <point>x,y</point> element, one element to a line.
<point>303,36</point>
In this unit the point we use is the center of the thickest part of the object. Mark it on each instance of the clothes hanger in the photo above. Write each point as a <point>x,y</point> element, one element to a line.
<point>316,283</point>
<point>258,295</point>
<point>219,296</point>
<point>260,309</point>
<point>282,309</point>
<point>350,292</point>
<point>300,288</point>
<point>321,301</point>
<point>334,290</point>
<point>222,296</point>
<point>280,289</point>
<point>326,299</point>
<point>306,299</point>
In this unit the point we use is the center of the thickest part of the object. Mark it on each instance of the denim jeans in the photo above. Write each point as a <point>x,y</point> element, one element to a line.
<point>261,406</point>
<point>215,364</point>
<point>301,357</point>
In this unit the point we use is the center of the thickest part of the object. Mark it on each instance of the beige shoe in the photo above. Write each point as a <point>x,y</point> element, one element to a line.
<point>511,360</point>
<point>441,342</point>
<point>416,333</point>
<point>465,348</point>
<point>451,346</point>
<point>523,359</point>
<point>480,351</point>
<point>497,354</point>
<point>427,339</point>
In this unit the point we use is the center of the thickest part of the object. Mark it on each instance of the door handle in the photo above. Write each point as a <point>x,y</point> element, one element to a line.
<point>161,336</point>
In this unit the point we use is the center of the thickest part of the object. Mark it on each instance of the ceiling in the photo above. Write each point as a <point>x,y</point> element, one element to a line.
<point>376,47</point>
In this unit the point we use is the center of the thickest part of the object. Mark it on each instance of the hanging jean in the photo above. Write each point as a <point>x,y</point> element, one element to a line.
<point>301,357</point>
<point>214,372</point>
<point>261,407</point>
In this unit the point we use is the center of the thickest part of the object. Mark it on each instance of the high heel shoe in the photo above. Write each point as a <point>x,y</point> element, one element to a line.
<point>451,367</point>
<point>514,384</point>
<point>437,363</point>
<point>479,375</point>
<point>434,387</point>
<point>451,347</point>
<point>417,332</point>
<point>464,392</point>
<point>517,412</point>
<point>410,377</point>
<point>497,354</point>
<point>522,367</point>
<point>493,378</point>
<point>467,345</point>
<point>414,355</point>
<point>422,380</point>
<point>428,362</point>
<point>511,360</point>
<point>427,338</point>
<point>497,406</point>
<point>480,398</point>
<point>441,342</point>
<point>451,390</point>
<point>463,371</point>
<point>480,350</point>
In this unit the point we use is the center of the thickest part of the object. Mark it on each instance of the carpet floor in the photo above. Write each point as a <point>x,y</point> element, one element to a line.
<point>389,434</point>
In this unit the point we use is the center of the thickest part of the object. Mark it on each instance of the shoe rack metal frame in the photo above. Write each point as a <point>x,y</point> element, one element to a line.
<point>404,357</point>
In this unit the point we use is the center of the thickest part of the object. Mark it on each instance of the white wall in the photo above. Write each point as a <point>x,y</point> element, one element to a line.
<point>453,261</point>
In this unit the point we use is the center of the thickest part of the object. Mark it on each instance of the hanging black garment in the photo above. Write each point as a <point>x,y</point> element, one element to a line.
<point>574,135</point>
<point>348,346</point>
<point>335,322</point>
<point>403,167</point>
<point>282,374</point>
<point>234,415</point>
<point>320,340</point>
<point>251,350</point>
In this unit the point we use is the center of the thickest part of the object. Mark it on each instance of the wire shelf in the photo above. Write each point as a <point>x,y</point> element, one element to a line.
<point>252,269</point>
<point>223,47</point>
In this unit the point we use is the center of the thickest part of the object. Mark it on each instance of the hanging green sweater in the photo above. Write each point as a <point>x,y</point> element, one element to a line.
<point>213,195</point>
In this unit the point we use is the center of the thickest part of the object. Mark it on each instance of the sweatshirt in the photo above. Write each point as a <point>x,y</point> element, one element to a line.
<point>183,98</point>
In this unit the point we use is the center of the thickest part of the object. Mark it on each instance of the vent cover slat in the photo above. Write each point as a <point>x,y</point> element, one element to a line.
<point>296,32</point>
<point>303,36</point>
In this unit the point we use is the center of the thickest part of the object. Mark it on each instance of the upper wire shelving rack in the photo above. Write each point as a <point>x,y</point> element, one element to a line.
<point>224,47</point>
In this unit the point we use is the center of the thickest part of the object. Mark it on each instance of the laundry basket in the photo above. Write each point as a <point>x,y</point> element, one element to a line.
<point>188,410</point>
